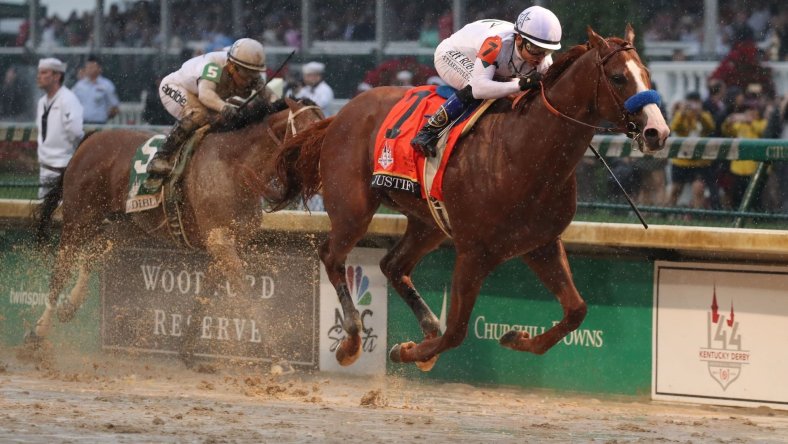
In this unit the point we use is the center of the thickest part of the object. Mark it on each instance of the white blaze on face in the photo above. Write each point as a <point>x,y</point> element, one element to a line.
<point>652,112</point>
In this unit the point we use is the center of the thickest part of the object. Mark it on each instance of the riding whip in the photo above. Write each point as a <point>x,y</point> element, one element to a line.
<point>621,187</point>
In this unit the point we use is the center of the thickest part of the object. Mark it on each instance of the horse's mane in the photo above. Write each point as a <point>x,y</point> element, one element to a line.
<point>556,70</point>
<point>565,60</point>
<point>257,111</point>
<point>562,63</point>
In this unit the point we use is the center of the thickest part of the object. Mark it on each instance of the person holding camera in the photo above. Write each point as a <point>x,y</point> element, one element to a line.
<point>745,123</point>
<point>691,120</point>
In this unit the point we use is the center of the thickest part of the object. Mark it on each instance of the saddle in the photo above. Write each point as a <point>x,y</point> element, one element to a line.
<point>398,167</point>
<point>140,198</point>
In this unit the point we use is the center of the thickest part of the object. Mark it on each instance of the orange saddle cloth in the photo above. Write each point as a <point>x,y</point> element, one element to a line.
<point>397,166</point>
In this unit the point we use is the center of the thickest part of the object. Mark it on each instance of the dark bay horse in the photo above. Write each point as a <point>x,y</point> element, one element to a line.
<point>222,199</point>
<point>509,189</point>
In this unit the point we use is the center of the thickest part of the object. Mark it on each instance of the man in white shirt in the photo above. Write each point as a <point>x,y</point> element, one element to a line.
<point>315,88</point>
<point>59,121</point>
<point>96,93</point>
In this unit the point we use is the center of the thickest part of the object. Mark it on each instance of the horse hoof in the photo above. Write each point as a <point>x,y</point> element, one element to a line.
<point>32,340</point>
<point>349,350</point>
<point>394,353</point>
<point>187,359</point>
<point>66,311</point>
<point>427,365</point>
<point>511,338</point>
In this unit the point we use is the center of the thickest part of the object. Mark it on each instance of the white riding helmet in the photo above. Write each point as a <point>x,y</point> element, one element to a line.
<point>248,53</point>
<point>539,26</point>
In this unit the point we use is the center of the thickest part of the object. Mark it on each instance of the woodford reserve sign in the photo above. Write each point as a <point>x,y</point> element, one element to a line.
<point>150,297</point>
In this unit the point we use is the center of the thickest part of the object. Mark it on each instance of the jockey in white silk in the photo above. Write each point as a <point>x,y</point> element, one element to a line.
<point>490,59</point>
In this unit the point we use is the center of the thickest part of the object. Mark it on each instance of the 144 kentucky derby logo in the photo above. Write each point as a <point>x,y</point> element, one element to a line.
<point>723,351</point>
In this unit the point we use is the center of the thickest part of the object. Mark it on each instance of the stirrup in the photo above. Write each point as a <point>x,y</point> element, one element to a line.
<point>153,181</point>
<point>426,140</point>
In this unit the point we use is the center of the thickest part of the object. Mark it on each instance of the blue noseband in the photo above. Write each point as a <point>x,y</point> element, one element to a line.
<point>636,103</point>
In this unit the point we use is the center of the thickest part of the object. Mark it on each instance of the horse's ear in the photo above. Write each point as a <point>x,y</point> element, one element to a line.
<point>291,103</point>
<point>595,39</point>
<point>629,34</point>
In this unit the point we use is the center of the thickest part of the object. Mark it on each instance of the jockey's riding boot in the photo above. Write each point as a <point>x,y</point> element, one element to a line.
<point>162,163</point>
<point>426,139</point>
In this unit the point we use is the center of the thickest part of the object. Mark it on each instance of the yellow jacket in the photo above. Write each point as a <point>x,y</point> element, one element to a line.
<point>686,124</point>
<point>744,130</point>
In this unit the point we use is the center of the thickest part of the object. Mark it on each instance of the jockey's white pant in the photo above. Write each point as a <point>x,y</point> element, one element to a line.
<point>180,103</point>
<point>453,66</point>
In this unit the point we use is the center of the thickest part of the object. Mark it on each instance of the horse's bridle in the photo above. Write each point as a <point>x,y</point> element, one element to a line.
<point>625,125</point>
<point>291,126</point>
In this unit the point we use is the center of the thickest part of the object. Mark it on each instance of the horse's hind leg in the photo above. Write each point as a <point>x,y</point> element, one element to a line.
<point>419,239</point>
<point>60,275</point>
<point>221,244</point>
<point>552,267</point>
<point>76,239</point>
<point>350,216</point>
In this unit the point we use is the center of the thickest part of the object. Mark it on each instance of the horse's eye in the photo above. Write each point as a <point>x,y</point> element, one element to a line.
<point>619,79</point>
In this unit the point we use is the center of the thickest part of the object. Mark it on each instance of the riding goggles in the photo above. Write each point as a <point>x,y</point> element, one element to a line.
<point>537,51</point>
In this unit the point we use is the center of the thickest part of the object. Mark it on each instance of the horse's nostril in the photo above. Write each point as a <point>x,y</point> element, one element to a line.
<point>651,133</point>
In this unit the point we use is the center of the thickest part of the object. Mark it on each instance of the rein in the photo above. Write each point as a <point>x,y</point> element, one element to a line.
<point>291,124</point>
<point>624,113</point>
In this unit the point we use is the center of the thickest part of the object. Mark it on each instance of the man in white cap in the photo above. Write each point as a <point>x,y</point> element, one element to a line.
<point>59,121</point>
<point>315,88</point>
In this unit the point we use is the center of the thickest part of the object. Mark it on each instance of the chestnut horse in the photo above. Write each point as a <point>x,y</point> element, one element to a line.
<point>509,189</point>
<point>222,199</point>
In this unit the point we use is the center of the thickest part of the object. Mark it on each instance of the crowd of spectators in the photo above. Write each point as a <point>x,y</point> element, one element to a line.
<point>278,22</point>
<point>764,21</point>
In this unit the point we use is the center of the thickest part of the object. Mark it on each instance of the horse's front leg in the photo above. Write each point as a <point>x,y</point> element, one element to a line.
<point>222,246</point>
<point>552,267</point>
<point>225,267</point>
<point>68,306</point>
<point>469,272</point>
<point>418,240</point>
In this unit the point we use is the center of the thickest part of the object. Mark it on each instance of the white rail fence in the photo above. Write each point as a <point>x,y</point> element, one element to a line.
<point>676,79</point>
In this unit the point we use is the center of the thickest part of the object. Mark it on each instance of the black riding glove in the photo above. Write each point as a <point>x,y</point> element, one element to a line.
<point>229,113</point>
<point>530,80</point>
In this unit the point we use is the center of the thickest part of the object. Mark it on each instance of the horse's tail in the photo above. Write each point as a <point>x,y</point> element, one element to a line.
<point>298,165</point>
<point>42,216</point>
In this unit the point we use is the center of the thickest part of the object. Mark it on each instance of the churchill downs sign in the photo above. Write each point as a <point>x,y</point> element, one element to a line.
<point>150,297</point>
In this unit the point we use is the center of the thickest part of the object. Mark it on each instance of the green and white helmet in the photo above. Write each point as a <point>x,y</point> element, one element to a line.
<point>248,53</point>
<point>539,26</point>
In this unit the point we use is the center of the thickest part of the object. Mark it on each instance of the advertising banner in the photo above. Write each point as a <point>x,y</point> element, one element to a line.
<point>150,298</point>
<point>368,288</point>
<point>718,334</point>
<point>24,292</point>
<point>609,353</point>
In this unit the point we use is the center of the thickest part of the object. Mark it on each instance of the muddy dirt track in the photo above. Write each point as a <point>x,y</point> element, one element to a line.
<point>110,398</point>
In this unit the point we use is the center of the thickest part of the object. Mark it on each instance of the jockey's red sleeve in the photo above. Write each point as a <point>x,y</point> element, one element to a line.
<point>489,50</point>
